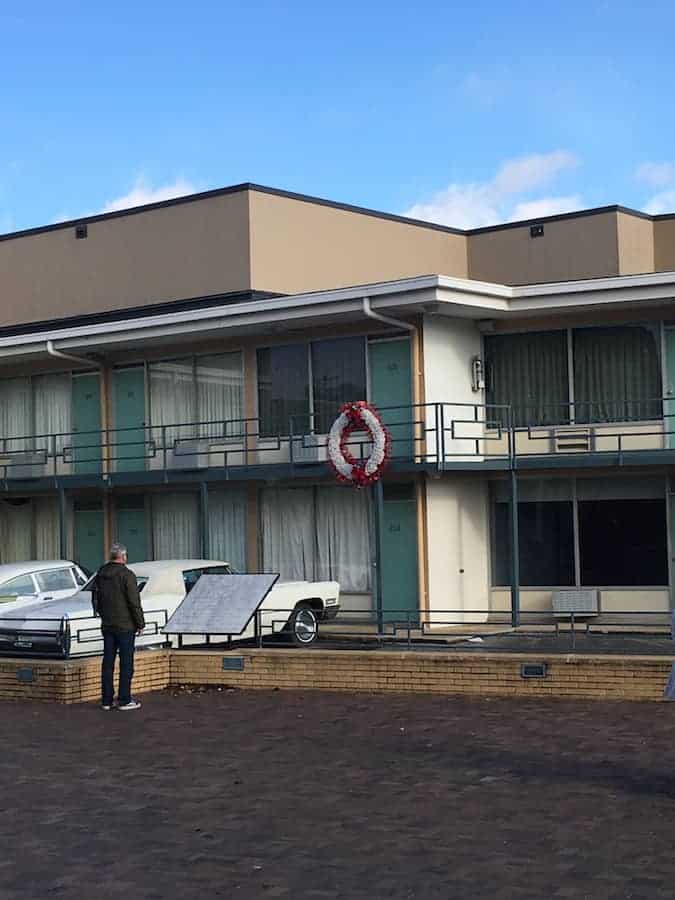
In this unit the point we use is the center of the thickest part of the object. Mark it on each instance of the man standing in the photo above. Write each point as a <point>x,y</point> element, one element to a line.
<point>116,600</point>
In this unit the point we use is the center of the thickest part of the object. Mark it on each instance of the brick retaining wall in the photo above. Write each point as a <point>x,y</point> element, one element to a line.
<point>495,674</point>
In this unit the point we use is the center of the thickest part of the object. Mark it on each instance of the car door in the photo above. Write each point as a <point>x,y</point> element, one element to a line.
<point>56,584</point>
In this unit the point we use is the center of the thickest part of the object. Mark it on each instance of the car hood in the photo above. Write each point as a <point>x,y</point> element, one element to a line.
<point>76,606</point>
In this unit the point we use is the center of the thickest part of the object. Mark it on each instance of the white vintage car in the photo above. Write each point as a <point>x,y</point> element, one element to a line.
<point>68,627</point>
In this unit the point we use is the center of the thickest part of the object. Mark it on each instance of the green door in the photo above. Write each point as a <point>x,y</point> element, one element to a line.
<point>669,388</point>
<point>86,424</point>
<point>391,385</point>
<point>399,554</point>
<point>132,531</point>
<point>128,450</point>
<point>88,528</point>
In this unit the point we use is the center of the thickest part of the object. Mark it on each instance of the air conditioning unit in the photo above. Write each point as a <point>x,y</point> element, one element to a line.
<point>186,454</point>
<point>310,448</point>
<point>28,464</point>
<point>579,602</point>
<point>576,440</point>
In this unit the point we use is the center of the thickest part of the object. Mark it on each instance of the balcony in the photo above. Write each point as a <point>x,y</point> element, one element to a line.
<point>431,436</point>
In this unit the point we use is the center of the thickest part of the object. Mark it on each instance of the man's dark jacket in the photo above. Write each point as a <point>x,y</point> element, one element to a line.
<point>116,599</point>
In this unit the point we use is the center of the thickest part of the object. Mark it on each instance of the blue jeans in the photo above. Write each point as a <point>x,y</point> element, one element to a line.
<point>115,642</point>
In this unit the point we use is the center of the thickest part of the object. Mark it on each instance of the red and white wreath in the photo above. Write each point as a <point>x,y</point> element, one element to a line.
<point>358,416</point>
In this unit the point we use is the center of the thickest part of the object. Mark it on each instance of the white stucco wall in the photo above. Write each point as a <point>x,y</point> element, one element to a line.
<point>457,535</point>
<point>449,346</point>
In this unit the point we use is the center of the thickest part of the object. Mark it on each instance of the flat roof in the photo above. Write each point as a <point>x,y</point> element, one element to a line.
<point>319,201</point>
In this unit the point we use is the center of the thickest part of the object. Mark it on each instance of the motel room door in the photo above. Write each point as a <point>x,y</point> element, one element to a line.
<point>129,450</point>
<point>88,535</point>
<point>669,389</point>
<point>86,404</point>
<point>398,543</point>
<point>131,527</point>
<point>391,385</point>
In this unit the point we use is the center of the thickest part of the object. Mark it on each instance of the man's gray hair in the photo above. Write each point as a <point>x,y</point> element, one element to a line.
<point>117,551</point>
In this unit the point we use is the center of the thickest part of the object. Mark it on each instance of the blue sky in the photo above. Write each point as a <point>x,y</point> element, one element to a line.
<point>467,113</point>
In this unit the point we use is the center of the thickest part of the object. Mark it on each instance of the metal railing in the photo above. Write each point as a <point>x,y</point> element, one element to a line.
<point>440,435</point>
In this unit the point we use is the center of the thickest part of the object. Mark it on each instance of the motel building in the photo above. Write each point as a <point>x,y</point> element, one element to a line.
<point>169,374</point>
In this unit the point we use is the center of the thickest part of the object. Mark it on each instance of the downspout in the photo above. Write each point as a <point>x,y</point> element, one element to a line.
<point>82,360</point>
<point>420,488</point>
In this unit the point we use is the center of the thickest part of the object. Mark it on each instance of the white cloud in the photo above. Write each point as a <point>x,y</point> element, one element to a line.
<point>472,205</point>
<point>143,193</point>
<point>546,206</point>
<point>658,175</point>
<point>663,202</point>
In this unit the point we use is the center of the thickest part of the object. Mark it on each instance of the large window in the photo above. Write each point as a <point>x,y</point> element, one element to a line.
<point>29,529</point>
<point>37,405</point>
<point>545,535</point>
<point>621,533</point>
<point>175,526</point>
<point>529,373</point>
<point>616,375</point>
<point>316,534</point>
<point>205,389</point>
<point>301,386</point>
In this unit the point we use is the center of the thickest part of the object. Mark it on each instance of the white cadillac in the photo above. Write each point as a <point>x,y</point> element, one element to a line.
<point>67,627</point>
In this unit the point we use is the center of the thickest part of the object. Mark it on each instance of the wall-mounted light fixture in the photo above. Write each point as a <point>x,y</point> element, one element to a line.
<point>477,374</point>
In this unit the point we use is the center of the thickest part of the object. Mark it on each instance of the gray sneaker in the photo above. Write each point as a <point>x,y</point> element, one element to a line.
<point>106,707</point>
<point>132,704</point>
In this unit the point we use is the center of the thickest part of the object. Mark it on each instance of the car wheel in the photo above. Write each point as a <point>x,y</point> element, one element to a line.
<point>304,626</point>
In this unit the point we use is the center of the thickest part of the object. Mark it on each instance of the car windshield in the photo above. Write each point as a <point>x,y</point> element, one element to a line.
<point>192,576</point>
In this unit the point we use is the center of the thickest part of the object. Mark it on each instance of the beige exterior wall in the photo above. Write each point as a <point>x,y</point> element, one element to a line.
<point>636,244</point>
<point>664,245</point>
<point>611,601</point>
<point>186,250</point>
<point>457,535</point>
<point>581,247</point>
<point>301,246</point>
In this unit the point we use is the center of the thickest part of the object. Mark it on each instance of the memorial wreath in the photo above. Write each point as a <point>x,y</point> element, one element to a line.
<point>358,416</point>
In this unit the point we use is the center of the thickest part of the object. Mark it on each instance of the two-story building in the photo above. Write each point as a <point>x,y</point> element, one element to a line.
<point>168,375</point>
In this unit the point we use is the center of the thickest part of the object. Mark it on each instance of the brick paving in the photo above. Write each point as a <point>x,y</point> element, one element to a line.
<point>317,795</point>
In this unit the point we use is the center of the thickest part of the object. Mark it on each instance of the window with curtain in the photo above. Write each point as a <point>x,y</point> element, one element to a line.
<point>287,525</point>
<point>338,375</point>
<point>227,527</point>
<point>16,531</point>
<point>16,419</point>
<point>172,399</point>
<point>175,526</point>
<point>343,529</point>
<point>617,374</point>
<point>316,534</point>
<point>46,528</point>
<point>528,372</point>
<point>283,389</point>
<point>52,397</point>
<point>220,385</point>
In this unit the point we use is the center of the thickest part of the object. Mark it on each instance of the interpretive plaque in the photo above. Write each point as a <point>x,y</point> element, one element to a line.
<point>220,604</point>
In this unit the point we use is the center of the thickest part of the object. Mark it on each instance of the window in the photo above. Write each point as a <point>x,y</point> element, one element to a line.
<point>175,526</point>
<point>338,375</point>
<point>192,576</point>
<point>227,526</point>
<point>528,372</point>
<point>40,405</point>
<point>289,400</point>
<point>205,388</point>
<point>621,526</point>
<point>56,580</point>
<point>283,390</point>
<point>317,534</point>
<point>79,577</point>
<point>545,536</point>
<point>18,587</point>
<point>617,374</point>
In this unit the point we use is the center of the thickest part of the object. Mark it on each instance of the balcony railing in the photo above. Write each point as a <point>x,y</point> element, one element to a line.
<point>438,435</point>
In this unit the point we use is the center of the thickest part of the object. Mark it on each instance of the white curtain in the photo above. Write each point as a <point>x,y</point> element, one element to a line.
<point>46,524</point>
<point>172,399</point>
<point>220,382</point>
<point>227,527</point>
<point>175,526</point>
<point>15,413</point>
<point>16,527</point>
<point>288,533</point>
<point>344,538</point>
<point>53,403</point>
